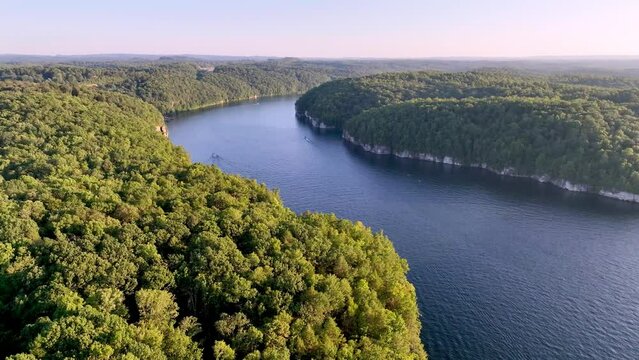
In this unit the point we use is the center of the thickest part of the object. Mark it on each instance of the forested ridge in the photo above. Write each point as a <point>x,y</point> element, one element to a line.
<point>581,129</point>
<point>585,142</point>
<point>335,102</point>
<point>113,245</point>
<point>176,87</point>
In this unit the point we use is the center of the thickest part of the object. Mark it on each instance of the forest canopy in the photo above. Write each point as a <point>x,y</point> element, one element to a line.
<point>584,142</point>
<point>113,245</point>
<point>581,129</point>
<point>175,87</point>
<point>335,102</point>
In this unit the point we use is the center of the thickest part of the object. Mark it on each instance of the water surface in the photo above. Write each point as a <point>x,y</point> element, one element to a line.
<point>504,268</point>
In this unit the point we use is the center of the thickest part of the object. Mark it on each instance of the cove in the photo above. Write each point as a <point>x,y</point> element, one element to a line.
<point>504,268</point>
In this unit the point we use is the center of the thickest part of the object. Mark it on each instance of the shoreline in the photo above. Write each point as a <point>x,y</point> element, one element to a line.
<point>314,122</point>
<point>560,183</point>
<point>172,115</point>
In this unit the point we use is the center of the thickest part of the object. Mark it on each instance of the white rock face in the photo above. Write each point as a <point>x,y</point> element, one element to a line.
<point>346,136</point>
<point>317,123</point>
<point>564,184</point>
<point>621,195</point>
<point>375,149</point>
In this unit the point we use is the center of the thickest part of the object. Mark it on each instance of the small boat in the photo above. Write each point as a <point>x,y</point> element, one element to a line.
<point>307,139</point>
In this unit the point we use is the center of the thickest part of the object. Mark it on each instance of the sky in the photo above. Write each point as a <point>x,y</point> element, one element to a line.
<point>322,28</point>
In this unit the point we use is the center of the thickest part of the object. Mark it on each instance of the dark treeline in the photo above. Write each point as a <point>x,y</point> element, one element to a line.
<point>618,66</point>
<point>585,142</point>
<point>337,101</point>
<point>113,245</point>
<point>579,128</point>
<point>175,87</point>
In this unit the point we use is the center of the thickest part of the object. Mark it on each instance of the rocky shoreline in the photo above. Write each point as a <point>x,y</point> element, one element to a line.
<point>314,122</point>
<point>564,184</point>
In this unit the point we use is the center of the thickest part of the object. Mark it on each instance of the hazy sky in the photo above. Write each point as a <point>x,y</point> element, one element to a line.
<point>322,28</point>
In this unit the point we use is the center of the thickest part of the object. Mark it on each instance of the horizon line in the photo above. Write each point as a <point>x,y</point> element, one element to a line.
<point>447,57</point>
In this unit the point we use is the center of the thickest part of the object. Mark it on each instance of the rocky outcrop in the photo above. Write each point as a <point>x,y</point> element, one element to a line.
<point>564,184</point>
<point>375,149</point>
<point>620,195</point>
<point>314,122</point>
<point>429,157</point>
<point>163,130</point>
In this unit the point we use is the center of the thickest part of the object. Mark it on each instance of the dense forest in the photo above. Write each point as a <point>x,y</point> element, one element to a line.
<point>585,142</point>
<point>619,67</point>
<point>581,129</point>
<point>175,87</point>
<point>113,245</point>
<point>335,102</point>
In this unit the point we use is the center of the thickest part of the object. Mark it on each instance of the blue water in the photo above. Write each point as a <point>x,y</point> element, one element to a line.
<point>504,268</point>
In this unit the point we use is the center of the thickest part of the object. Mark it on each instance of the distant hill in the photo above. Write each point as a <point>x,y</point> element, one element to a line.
<point>614,65</point>
<point>57,59</point>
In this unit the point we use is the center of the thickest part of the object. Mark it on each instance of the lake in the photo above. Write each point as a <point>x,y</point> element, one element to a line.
<point>504,268</point>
